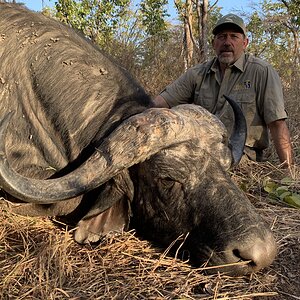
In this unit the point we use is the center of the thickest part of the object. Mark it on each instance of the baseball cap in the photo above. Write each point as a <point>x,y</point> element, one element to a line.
<point>230,19</point>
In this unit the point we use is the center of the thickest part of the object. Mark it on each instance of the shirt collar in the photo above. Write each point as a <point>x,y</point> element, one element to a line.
<point>240,63</point>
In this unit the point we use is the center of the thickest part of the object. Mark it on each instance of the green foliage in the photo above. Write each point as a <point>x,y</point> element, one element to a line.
<point>98,19</point>
<point>256,31</point>
<point>274,34</point>
<point>282,191</point>
<point>153,16</point>
<point>141,38</point>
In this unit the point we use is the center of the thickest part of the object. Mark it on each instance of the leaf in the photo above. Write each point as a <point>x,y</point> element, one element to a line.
<point>284,195</point>
<point>282,190</point>
<point>270,187</point>
<point>293,200</point>
<point>286,180</point>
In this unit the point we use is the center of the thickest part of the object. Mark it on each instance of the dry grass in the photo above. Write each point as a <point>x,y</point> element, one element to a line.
<point>39,260</point>
<point>283,219</point>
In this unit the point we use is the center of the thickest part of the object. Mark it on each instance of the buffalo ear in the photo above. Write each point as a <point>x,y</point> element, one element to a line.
<point>105,217</point>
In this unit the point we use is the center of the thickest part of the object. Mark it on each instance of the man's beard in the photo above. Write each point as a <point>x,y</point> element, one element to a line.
<point>226,55</point>
<point>226,60</point>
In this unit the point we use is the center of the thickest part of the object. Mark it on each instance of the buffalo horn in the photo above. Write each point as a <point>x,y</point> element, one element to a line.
<point>239,134</point>
<point>135,140</point>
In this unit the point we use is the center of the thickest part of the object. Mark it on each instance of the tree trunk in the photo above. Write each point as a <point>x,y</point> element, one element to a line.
<point>188,34</point>
<point>204,19</point>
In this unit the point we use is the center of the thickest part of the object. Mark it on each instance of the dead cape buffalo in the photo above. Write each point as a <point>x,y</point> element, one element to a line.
<point>78,139</point>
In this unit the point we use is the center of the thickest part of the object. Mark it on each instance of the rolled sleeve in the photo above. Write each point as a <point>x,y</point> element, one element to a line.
<point>180,91</point>
<point>273,105</point>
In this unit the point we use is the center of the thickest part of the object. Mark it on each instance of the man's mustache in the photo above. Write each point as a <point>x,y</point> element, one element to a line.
<point>226,49</point>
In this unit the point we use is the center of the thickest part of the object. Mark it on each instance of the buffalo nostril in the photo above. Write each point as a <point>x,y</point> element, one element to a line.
<point>240,257</point>
<point>260,253</point>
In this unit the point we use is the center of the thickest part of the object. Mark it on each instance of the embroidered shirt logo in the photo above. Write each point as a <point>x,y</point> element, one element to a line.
<point>247,84</point>
<point>242,86</point>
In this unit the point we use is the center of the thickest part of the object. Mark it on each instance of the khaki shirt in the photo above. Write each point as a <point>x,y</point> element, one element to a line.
<point>250,81</point>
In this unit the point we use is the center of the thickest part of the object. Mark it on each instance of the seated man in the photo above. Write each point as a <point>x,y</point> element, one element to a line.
<point>250,81</point>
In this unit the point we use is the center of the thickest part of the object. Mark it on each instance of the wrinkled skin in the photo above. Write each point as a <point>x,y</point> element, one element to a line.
<point>66,96</point>
<point>83,145</point>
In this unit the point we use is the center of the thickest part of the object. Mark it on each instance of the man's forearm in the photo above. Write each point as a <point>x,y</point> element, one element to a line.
<point>284,152</point>
<point>282,142</point>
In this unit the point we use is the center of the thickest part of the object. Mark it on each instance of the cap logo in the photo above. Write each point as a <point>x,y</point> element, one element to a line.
<point>228,19</point>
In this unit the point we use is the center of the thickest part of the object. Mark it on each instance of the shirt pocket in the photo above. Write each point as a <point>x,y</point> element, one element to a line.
<point>247,101</point>
<point>243,97</point>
